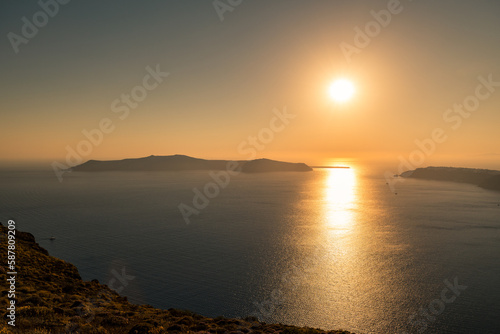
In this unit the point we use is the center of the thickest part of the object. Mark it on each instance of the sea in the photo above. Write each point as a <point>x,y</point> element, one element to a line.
<point>335,248</point>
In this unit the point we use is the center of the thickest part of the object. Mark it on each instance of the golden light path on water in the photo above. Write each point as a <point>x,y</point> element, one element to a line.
<point>350,282</point>
<point>340,195</point>
<point>344,253</point>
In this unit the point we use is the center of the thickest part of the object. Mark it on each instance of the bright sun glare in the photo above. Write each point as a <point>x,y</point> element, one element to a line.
<point>341,90</point>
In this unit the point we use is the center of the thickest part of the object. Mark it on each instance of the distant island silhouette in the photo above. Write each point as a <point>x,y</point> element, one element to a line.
<point>484,178</point>
<point>331,167</point>
<point>185,163</point>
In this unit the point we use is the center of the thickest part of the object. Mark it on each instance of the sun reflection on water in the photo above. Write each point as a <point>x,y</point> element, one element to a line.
<point>345,261</point>
<point>340,198</point>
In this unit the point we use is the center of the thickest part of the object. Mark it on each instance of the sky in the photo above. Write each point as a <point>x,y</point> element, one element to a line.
<point>241,79</point>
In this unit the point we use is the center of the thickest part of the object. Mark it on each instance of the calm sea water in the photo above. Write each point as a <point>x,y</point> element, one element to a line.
<point>334,248</point>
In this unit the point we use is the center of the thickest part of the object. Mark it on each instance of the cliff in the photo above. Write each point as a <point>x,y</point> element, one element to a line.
<point>51,297</point>
<point>485,178</point>
<point>491,183</point>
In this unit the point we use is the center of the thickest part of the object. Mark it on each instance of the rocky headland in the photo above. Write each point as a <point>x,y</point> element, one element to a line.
<point>51,297</point>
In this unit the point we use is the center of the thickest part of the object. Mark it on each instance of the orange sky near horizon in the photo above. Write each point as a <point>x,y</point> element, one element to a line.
<point>226,79</point>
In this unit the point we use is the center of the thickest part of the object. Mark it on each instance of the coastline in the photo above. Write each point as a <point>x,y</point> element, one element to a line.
<point>50,297</point>
<point>483,178</point>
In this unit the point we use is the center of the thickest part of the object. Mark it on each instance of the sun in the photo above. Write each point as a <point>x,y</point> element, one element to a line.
<point>341,90</point>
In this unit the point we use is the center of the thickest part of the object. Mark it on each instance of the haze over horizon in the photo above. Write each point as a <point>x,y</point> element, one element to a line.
<point>250,165</point>
<point>207,85</point>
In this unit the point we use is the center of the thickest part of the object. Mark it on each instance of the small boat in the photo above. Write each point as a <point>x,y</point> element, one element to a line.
<point>52,238</point>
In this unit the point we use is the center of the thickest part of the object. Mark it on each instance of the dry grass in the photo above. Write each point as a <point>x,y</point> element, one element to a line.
<point>52,298</point>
